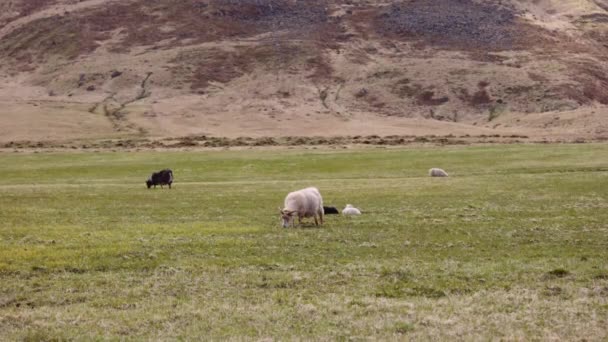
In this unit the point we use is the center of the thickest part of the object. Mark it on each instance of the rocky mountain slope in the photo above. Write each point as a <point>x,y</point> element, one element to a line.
<point>89,69</point>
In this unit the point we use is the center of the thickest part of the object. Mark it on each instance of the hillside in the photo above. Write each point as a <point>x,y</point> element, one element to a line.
<point>92,69</point>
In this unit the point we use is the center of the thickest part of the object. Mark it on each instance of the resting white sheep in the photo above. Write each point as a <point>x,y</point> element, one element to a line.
<point>302,203</point>
<point>435,172</point>
<point>350,210</point>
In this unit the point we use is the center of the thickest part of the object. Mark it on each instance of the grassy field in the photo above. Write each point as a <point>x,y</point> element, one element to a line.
<point>513,245</point>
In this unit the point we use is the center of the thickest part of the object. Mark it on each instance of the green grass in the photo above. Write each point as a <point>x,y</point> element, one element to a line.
<point>513,245</point>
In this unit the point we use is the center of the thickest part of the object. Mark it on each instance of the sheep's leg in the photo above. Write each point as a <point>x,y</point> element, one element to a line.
<point>169,185</point>
<point>316,222</point>
<point>321,215</point>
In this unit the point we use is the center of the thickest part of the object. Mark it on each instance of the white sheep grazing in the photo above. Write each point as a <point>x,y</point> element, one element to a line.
<point>435,172</point>
<point>350,210</point>
<point>302,203</point>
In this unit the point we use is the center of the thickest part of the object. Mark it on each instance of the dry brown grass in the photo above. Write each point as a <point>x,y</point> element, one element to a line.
<point>281,67</point>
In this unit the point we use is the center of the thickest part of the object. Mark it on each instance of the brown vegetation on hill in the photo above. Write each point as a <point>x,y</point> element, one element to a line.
<point>259,64</point>
<point>12,10</point>
<point>458,24</point>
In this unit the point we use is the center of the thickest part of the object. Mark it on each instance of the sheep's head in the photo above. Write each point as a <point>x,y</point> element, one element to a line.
<point>286,217</point>
<point>149,183</point>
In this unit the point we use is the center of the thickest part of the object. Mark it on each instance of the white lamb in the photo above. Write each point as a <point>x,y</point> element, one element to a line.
<point>302,203</point>
<point>435,172</point>
<point>350,210</point>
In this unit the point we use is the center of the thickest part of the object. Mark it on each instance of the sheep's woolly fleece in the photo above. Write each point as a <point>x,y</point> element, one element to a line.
<point>350,210</point>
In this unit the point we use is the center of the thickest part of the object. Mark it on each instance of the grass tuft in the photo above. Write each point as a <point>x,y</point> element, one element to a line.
<point>559,272</point>
<point>404,328</point>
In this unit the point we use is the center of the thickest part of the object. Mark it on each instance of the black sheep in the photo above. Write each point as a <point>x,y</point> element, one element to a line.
<point>330,210</point>
<point>162,177</point>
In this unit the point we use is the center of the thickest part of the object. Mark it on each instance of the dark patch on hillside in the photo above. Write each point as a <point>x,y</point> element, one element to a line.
<point>427,98</point>
<point>201,67</point>
<point>174,23</point>
<point>479,97</point>
<point>593,18</point>
<point>64,36</point>
<point>603,4</point>
<point>423,96</point>
<point>593,80</point>
<point>21,8</point>
<point>200,21</point>
<point>271,14</point>
<point>459,24</point>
